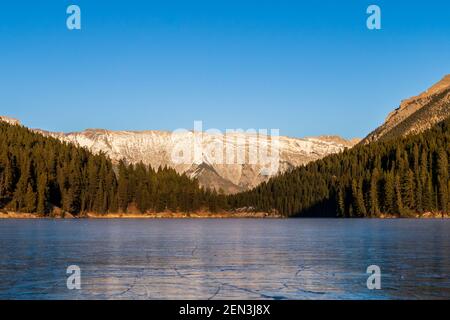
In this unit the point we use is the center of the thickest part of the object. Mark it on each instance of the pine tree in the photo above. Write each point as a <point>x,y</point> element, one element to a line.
<point>341,201</point>
<point>99,201</point>
<point>358,198</point>
<point>123,189</point>
<point>19,201</point>
<point>42,190</point>
<point>425,177</point>
<point>407,189</point>
<point>390,194</point>
<point>374,207</point>
<point>398,209</point>
<point>30,200</point>
<point>6,179</point>
<point>442,180</point>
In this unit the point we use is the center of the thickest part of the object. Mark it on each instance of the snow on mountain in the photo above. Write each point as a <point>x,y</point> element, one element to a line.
<point>9,120</point>
<point>231,162</point>
<point>207,159</point>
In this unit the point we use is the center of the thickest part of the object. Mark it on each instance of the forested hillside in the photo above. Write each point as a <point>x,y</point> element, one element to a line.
<point>38,174</point>
<point>400,176</point>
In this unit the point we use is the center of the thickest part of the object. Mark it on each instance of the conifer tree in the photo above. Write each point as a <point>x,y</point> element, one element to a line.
<point>374,207</point>
<point>123,187</point>
<point>42,194</point>
<point>442,180</point>
<point>390,194</point>
<point>29,200</point>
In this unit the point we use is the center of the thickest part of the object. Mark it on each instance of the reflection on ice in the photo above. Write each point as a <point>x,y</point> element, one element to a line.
<point>224,259</point>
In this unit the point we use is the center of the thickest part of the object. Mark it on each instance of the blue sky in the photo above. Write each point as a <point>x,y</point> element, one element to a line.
<point>305,67</point>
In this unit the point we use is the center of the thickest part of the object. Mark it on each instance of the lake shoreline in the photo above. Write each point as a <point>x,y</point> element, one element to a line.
<point>198,215</point>
<point>160,215</point>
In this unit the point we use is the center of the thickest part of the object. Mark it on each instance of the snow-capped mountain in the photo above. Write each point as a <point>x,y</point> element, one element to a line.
<point>159,148</point>
<point>232,162</point>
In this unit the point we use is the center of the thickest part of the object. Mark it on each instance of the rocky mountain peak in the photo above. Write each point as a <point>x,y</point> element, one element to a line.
<point>156,148</point>
<point>9,120</point>
<point>416,114</point>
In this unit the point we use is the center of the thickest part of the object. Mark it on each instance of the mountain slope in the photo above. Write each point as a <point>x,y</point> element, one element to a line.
<point>416,114</point>
<point>9,120</point>
<point>155,148</point>
<point>40,174</point>
<point>400,176</point>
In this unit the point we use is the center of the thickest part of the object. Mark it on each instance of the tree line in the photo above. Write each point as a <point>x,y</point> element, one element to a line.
<point>401,176</point>
<point>38,174</point>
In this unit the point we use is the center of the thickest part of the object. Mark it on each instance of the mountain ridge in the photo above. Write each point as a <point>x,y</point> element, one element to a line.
<point>415,114</point>
<point>155,148</point>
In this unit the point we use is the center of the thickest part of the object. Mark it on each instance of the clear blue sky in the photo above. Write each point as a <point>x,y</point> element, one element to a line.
<point>305,67</point>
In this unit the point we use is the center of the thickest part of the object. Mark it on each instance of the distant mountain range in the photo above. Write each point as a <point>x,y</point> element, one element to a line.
<point>155,148</point>
<point>400,169</point>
